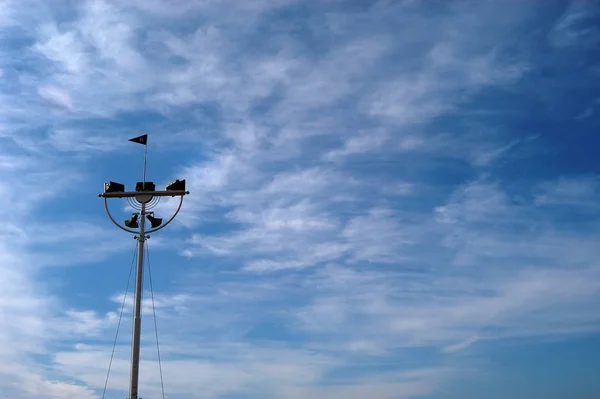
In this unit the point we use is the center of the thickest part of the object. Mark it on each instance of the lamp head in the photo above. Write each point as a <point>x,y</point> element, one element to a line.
<point>132,223</point>
<point>113,187</point>
<point>147,186</point>
<point>154,222</point>
<point>176,185</point>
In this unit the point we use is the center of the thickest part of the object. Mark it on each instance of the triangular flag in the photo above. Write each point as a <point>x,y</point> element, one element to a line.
<point>140,140</point>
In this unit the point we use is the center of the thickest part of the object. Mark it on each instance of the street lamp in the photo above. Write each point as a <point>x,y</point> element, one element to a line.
<point>142,200</point>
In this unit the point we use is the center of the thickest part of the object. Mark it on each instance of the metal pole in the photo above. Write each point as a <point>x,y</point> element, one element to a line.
<point>137,320</point>
<point>145,156</point>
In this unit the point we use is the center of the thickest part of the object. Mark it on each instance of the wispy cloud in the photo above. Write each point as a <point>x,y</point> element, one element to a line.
<point>56,96</point>
<point>573,28</point>
<point>580,191</point>
<point>78,141</point>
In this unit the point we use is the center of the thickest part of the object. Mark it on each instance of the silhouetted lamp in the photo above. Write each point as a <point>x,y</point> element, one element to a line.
<point>144,186</point>
<point>154,222</point>
<point>112,187</point>
<point>132,223</point>
<point>177,185</point>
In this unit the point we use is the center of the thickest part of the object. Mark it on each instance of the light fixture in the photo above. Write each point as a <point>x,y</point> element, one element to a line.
<point>144,186</point>
<point>112,187</point>
<point>154,222</point>
<point>132,223</point>
<point>177,185</point>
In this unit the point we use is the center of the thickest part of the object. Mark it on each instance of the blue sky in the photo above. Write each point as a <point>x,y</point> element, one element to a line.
<point>389,199</point>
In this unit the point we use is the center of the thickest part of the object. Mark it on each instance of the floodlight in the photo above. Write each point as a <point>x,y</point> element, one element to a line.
<point>112,187</point>
<point>154,222</point>
<point>132,223</point>
<point>177,185</point>
<point>144,186</point>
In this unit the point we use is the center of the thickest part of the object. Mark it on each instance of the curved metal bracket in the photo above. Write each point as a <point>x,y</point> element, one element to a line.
<point>135,231</point>
<point>114,221</point>
<point>168,221</point>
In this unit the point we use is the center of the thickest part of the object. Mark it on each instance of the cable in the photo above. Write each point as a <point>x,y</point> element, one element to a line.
<point>119,323</point>
<point>162,386</point>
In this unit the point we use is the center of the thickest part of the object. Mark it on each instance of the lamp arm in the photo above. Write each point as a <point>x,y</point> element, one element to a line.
<point>115,222</point>
<point>168,221</point>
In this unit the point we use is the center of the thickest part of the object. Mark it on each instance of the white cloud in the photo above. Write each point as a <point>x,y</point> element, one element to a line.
<point>475,202</point>
<point>360,145</point>
<point>408,310</point>
<point>571,28</point>
<point>580,191</point>
<point>388,386</point>
<point>79,141</point>
<point>56,96</point>
<point>461,345</point>
<point>377,237</point>
<point>508,283</point>
<point>26,308</point>
<point>242,369</point>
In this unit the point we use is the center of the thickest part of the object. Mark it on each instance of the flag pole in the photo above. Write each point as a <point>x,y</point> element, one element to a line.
<point>137,317</point>
<point>134,372</point>
<point>143,139</point>
<point>145,156</point>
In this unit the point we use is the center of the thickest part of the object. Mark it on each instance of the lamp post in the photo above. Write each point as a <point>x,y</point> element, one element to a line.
<point>142,200</point>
